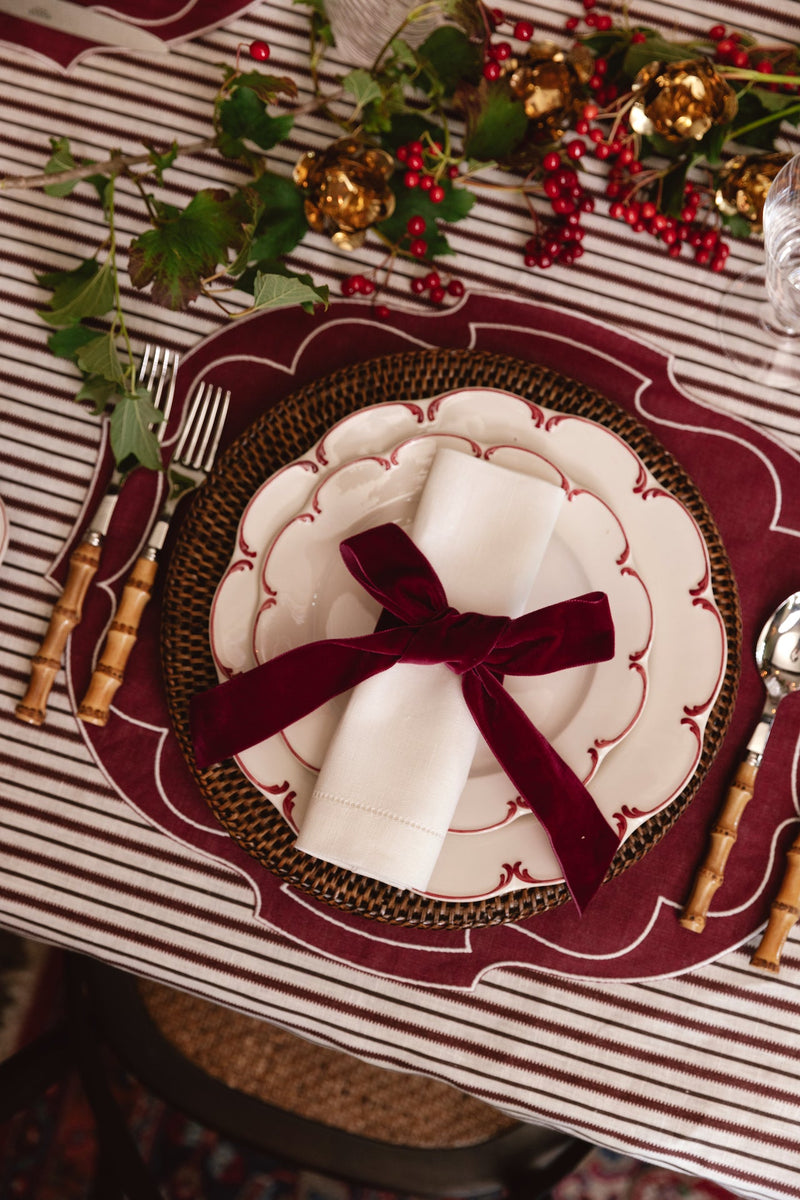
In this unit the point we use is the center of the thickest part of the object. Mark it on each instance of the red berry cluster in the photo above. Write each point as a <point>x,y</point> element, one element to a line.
<point>432,283</point>
<point>415,228</point>
<point>600,21</point>
<point>675,232</point>
<point>731,50</point>
<point>627,193</point>
<point>355,285</point>
<point>359,285</point>
<point>559,240</point>
<point>495,53</point>
<point>421,163</point>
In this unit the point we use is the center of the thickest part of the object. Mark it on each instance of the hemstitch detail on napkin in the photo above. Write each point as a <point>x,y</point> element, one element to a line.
<point>378,812</point>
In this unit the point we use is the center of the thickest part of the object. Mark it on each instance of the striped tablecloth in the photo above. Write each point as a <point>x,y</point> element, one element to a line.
<point>701,1071</point>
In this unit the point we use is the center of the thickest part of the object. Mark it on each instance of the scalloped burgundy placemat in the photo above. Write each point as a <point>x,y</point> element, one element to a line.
<point>750,484</point>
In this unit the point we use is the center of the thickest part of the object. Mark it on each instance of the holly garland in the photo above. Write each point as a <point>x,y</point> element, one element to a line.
<point>686,130</point>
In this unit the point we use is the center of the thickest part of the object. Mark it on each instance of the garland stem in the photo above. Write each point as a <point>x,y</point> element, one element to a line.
<point>112,166</point>
<point>768,119</point>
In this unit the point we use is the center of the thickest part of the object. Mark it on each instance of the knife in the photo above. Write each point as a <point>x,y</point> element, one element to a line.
<point>68,17</point>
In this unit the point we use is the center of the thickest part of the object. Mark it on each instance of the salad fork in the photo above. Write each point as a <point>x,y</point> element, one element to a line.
<point>156,374</point>
<point>193,458</point>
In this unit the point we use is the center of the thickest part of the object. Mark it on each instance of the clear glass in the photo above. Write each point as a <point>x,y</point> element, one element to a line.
<point>759,320</point>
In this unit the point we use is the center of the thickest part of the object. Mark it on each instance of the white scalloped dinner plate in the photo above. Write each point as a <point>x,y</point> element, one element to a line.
<point>308,593</point>
<point>639,776</point>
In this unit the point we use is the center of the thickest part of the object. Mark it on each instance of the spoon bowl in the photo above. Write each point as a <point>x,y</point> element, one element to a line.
<point>777,655</point>
<point>778,645</point>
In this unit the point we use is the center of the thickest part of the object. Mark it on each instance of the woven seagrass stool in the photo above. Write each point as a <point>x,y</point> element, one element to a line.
<point>320,1108</point>
<point>311,1106</point>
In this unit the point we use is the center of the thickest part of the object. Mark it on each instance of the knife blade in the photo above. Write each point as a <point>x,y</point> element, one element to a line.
<point>68,17</point>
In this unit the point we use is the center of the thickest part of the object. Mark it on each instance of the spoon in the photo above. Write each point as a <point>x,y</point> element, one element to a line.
<point>778,660</point>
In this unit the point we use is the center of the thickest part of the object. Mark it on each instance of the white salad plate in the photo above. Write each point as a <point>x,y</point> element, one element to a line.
<point>640,775</point>
<point>308,594</point>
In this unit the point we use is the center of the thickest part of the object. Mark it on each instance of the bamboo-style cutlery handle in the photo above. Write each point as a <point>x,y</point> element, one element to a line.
<point>722,837</point>
<point>783,915</point>
<point>67,612</point>
<point>120,640</point>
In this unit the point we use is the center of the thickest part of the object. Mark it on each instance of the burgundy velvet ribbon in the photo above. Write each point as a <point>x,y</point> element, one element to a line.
<point>418,626</point>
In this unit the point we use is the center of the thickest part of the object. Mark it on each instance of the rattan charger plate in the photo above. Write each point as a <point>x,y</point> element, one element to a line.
<point>203,550</point>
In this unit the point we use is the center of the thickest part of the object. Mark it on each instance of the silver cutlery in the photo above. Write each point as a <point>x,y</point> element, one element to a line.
<point>156,374</point>
<point>777,657</point>
<point>193,458</point>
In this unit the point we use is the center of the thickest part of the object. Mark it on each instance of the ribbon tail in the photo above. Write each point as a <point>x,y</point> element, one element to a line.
<point>255,705</point>
<point>582,840</point>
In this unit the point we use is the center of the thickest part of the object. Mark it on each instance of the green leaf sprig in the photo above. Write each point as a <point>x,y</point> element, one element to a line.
<point>446,111</point>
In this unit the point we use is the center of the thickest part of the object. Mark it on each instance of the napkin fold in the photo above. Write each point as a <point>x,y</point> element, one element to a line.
<point>401,754</point>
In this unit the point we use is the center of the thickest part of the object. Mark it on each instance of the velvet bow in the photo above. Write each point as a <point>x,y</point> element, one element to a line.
<point>418,626</point>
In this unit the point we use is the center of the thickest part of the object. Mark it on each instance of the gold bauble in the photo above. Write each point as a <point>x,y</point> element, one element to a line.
<point>681,101</point>
<point>548,81</point>
<point>346,189</point>
<point>743,183</point>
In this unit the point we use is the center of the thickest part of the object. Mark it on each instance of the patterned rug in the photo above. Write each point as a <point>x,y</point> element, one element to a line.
<point>48,1153</point>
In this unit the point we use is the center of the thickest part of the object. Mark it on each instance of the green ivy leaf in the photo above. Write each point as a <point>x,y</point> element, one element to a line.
<point>403,54</point>
<point>65,343</point>
<point>185,248</point>
<point>160,162</point>
<point>320,25</point>
<point>410,127</point>
<point>712,144</point>
<point>283,222</point>
<point>467,14</point>
<point>769,109</point>
<point>414,203</point>
<point>60,160</point>
<point>654,143</point>
<point>87,291</point>
<point>450,56</point>
<point>266,87</point>
<point>672,189</point>
<point>278,291</point>
<point>377,117</point>
<point>104,186</point>
<point>100,392</point>
<point>100,357</point>
<point>361,85</point>
<point>243,117</point>
<point>654,48</point>
<point>496,121</point>
<point>131,435</point>
<point>737,225</point>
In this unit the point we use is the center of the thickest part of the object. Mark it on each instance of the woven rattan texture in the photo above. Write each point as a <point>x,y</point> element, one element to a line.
<point>317,1082</point>
<point>206,542</point>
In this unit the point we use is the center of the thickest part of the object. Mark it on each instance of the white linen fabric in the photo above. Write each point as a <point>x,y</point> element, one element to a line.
<point>401,754</point>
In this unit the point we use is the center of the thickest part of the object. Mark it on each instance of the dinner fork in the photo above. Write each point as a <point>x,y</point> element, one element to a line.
<point>193,458</point>
<point>157,375</point>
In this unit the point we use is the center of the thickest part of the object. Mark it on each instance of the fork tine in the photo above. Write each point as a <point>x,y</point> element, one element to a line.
<point>193,423</point>
<point>216,426</point>
<point>148,350</point>
<point>201,434</point>
<point>168,376</point>
<point>157,370</point>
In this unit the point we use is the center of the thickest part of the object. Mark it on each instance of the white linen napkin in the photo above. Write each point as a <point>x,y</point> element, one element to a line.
<point>401,754</point>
